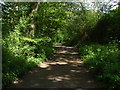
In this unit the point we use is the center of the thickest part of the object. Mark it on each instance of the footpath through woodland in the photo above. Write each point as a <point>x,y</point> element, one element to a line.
<point>63,70</point>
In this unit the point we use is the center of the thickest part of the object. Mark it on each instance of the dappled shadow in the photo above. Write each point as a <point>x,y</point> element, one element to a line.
<point>66,70</point>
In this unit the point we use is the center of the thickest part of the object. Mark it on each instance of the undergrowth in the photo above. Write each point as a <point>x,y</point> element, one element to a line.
<point>104,60</point>
<point>20,54</point>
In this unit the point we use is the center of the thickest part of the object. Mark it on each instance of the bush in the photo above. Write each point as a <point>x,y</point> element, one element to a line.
<point>13,66</point>
<point>104,60</point>
<point>20,54</point>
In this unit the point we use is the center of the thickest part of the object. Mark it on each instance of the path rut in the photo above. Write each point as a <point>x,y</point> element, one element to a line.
<point>63,70</point>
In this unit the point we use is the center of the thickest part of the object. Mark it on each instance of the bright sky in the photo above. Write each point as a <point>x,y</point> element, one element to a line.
<point>64,0</point>
<point>113,2</point>
<point>67,0</point>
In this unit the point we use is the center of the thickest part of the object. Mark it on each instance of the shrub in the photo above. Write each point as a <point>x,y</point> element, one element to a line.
<point>20,54</point>
<point>104,60</point>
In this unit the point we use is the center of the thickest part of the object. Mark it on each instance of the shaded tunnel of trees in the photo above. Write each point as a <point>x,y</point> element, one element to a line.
<point>31,29</point>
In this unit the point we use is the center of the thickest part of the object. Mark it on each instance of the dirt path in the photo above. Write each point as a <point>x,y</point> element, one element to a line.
<point>64,70</point>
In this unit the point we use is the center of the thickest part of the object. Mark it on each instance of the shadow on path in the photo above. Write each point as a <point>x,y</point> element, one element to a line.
<point>64,70</point>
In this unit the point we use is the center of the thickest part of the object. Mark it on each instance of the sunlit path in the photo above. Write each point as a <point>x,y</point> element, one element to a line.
<point>90,30</point>
<point>64,70</point>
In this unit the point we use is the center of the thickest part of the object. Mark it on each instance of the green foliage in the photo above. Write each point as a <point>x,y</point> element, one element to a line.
<point>30,32</point>
<point>107,28</point>
<point>22,51</point>
<point>79,28</point>
<point>87,26</point>
<point>104,60</point>
<point>48,19</point>
<point>14,66</point>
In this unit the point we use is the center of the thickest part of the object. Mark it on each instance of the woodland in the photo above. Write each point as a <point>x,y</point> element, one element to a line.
<point>31,29</point>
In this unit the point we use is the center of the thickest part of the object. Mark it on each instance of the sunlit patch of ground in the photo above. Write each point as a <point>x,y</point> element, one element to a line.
<point>62,63</point>
<point>75,70</point>
<point>43,65</point>
<point>58,78</point>
<point>17,81</point>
